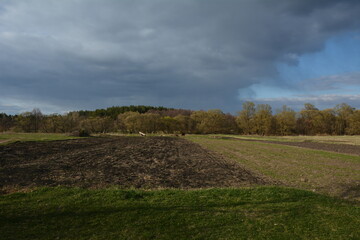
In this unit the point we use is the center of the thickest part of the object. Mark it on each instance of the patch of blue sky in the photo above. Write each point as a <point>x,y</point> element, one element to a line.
<point>343,89</point>
<point>267,91</point>
<point>263,91</point>
<point>341,54</point>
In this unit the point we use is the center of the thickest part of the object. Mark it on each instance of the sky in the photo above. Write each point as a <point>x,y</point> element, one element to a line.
<point>70,55</point>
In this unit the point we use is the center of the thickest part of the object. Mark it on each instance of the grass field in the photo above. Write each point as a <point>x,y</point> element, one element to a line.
<point>326,172</point>
<point>6,138</point>
<point>257,213</point>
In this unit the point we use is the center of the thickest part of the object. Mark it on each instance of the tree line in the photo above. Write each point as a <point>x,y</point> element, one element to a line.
<point>252,119</point>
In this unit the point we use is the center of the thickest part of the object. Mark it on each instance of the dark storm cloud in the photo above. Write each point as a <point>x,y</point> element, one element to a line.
<point>191,54</point>
<point>306,7</point>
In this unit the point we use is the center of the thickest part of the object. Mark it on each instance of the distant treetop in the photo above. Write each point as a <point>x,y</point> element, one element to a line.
<point>114,111</point>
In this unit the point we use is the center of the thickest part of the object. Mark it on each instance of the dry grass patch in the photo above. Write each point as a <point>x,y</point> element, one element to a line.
<point>331,173</point>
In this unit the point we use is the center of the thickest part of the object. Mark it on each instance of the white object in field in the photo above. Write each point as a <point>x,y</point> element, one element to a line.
<point>142,134</point>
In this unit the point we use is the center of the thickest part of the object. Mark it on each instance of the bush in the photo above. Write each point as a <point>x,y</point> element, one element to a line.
<point>80,133</point>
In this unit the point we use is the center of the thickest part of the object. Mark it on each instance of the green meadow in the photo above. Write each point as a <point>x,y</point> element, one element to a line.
<point>249,213</point>
<point>6,138</point>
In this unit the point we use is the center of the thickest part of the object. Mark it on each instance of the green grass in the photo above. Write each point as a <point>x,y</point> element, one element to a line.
<point>6,138</point>
<point>327,172</point>
<point>252,213</point>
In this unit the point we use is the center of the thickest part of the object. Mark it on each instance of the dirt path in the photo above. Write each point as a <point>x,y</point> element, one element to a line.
<point>151,162</point>
<point>339,148</point>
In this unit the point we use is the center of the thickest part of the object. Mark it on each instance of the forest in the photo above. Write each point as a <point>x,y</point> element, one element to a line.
<point>252,119</point>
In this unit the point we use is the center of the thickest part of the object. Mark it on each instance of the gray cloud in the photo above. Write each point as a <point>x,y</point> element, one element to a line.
<point>306,7</point>
<point>68,54</point>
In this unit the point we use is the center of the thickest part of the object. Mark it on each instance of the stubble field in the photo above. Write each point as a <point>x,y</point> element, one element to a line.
<point>332,169</point>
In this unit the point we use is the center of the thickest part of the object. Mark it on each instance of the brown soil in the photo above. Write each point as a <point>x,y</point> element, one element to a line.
<point>150,162</point>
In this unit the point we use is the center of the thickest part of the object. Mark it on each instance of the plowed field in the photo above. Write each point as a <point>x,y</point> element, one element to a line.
<point>150,162</point>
